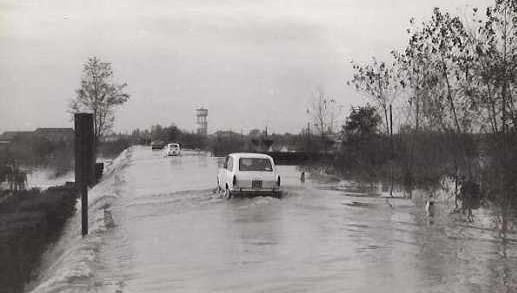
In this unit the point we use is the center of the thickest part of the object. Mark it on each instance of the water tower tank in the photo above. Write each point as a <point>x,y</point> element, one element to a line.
<point>201,121</point>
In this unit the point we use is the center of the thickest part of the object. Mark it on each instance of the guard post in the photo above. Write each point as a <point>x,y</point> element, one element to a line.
<point>84,161</point>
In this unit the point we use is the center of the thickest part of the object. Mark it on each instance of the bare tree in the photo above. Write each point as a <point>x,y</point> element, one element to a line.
<point>323,112</point>
<point>99,95</point>
<point>16,178</point>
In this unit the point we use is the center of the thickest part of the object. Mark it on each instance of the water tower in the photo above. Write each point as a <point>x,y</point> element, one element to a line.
<point>201,121</point>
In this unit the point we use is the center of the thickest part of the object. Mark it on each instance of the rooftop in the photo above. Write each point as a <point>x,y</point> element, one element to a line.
<point>249,155</point>
<point>54,130</point>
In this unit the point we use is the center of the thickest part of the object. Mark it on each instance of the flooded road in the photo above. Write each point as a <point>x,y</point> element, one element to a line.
<point>158,226</point>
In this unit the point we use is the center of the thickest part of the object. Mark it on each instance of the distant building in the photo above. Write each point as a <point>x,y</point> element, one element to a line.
<point>55,134</point>
<point>8,136</point>
<point>66,135</point>
<point>201,121</point>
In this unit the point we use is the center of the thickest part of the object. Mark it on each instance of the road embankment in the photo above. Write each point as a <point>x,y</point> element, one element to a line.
<point>30,221</point>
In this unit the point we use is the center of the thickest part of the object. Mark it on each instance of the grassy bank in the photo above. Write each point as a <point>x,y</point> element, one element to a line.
<point>29,222</point>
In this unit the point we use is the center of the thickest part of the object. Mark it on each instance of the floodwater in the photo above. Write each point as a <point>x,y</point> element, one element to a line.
<point>157,226</point>
<point>44,178</point>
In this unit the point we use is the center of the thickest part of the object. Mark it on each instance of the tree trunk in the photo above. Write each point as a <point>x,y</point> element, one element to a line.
<point>492,102</point>
<point>449,97</point>
<point>386,119</point>
<point>392,151</point>
<point>417,114</point>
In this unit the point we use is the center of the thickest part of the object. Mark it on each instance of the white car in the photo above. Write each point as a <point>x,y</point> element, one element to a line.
<point>248,174</point>
<point>173,149</point>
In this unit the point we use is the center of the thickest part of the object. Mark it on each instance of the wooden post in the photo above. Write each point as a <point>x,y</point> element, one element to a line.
<point>84,162</point>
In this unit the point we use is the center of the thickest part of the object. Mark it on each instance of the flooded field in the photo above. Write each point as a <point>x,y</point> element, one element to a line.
<point>157,226</point>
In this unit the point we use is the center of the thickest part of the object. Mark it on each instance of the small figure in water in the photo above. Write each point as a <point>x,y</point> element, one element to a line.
<point>302,177</point>
<point>470,196</point>
<point>429,206</point>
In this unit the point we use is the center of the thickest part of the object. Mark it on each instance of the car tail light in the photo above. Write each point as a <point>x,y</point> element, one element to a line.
<point>234,180</point>
<point>278,181</point>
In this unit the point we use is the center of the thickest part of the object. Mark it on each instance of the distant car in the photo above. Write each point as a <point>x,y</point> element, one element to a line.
<point>173,149</point>
<point>248,174</point>
<point>157,144</point>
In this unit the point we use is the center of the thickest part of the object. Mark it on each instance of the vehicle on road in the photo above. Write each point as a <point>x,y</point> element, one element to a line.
<point>248,174</point>
<point>157,144</point>
<point>173,149</point>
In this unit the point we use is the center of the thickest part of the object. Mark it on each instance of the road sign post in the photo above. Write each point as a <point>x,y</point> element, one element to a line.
<point>84,161</point>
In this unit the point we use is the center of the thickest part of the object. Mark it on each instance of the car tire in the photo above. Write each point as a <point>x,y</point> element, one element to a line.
<point>218,189</point>
<point>227,194</point>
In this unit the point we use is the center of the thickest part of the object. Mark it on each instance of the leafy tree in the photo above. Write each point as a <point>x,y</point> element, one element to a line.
<point>99,95</point>
<point>412,67</point>
<point>157,132</point>
<point>172,133</point>
<point>166,134</point>
<point>497,48</point>
<point>377,81</point>
<point>3,167</point>
<point>362,121</point>
<point>439,60</point>
<point>255,133</point>
<point>440,69</point>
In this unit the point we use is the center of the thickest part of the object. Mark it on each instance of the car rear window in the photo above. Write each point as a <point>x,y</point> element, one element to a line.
<point>255,164</point>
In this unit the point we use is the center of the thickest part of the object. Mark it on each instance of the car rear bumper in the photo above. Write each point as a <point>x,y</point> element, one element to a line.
<point>247,192</point>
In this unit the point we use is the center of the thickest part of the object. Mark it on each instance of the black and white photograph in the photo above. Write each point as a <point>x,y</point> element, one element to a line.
<point>284,146</point>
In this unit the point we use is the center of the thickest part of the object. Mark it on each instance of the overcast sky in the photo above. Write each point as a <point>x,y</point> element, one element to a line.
<point>251,63</point>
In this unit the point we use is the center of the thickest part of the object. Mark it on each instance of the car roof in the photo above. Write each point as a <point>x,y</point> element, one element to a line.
<point>250,155</point>
<point>175,144</point>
